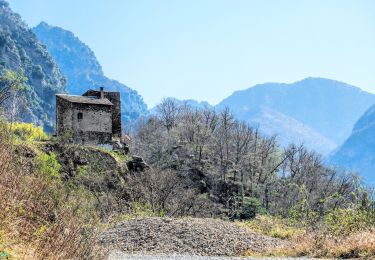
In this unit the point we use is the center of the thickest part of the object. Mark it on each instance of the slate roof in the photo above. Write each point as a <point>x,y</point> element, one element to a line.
<point>86,100</point>
<point>93,91</point>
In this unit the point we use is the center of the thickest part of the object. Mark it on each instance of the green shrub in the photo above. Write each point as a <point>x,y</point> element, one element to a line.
<point>65,137</point>
<point>82,171</point>
<point>347,221</point>
<point>48,165</point>
<point>119,156</point>
<point>273,227</point>
<point>250,208</point>
<point>28,132</point>
<point>138,210</point>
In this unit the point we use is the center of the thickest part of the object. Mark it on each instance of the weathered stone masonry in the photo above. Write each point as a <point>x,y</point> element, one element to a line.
<point>91,119</point>
<point>114,98</point>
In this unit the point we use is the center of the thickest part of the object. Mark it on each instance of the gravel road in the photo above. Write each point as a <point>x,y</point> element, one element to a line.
<point>123,256</point>
<point>168,236</point>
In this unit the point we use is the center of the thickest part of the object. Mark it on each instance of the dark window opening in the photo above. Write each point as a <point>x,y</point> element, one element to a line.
<point>80,115</point>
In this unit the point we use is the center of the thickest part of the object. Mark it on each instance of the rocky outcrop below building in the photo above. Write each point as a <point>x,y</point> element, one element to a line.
<point>100,171</point>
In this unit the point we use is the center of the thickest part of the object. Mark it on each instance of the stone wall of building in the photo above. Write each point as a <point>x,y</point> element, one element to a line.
<point>63,116</point>
<point>95,126</point>
<point>115,99</point>
<point>89,124</point>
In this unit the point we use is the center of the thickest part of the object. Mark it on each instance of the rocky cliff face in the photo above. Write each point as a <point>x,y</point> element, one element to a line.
<point>82,70</point>
<point>358,151</point>
<point>20,50</point>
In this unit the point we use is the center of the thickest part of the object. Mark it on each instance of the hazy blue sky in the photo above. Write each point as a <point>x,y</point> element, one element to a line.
<point>206,49</point>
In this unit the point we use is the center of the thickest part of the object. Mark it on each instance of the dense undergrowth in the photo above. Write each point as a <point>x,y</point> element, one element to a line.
<point>40,216</point>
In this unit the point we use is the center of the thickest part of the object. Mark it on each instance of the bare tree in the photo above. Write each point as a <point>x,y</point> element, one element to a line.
<point>232,163</point>
<point>168,110</point>
<point>163,191</point>
<point>223,140</point>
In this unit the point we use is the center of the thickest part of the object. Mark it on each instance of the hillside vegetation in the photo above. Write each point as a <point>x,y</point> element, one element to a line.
<point>57,198</point>
<point>21,52</point>
<point>234,168</point>
<point>229,170</point>
<point>41,216</point>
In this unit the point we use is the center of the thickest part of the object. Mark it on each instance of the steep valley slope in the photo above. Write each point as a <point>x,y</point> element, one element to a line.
<point>21,51</point>
<point>357,153</point>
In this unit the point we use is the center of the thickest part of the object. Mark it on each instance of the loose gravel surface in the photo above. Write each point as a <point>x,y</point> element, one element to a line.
<point>122,256</point>
<point>201,237</point>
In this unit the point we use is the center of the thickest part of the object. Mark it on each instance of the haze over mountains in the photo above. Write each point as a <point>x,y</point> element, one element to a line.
<point>83,71</point>
<point>287,129</point>
<point>326,106</point>
<point>358,151</point>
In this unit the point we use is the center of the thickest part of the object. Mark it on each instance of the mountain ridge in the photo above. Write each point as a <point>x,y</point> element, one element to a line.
<point>287,130</point>
<point>317,102</point>
<point>20,50</point>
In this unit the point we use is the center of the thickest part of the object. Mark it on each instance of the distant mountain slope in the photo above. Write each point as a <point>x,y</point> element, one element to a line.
<point>82,70</point>
<point>21,50</point>
<point>358,151</point>
<point>329,108</point>
<point>287,129</point>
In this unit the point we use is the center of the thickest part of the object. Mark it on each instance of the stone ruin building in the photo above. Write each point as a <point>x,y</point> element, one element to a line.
<point>91,119</point>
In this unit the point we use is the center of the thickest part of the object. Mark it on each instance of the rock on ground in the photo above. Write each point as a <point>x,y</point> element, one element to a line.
<point>202,237</point>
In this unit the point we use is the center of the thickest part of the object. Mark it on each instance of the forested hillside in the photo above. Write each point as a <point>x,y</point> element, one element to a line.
<point>235,165</point>
<point>21,51</point>
<point>83,71</point>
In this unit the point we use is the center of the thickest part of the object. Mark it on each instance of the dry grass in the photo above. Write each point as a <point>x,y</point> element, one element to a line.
<point>273,227</point>
<point>321,244</point>
<point>360,245</point>
<point>39,217</point>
